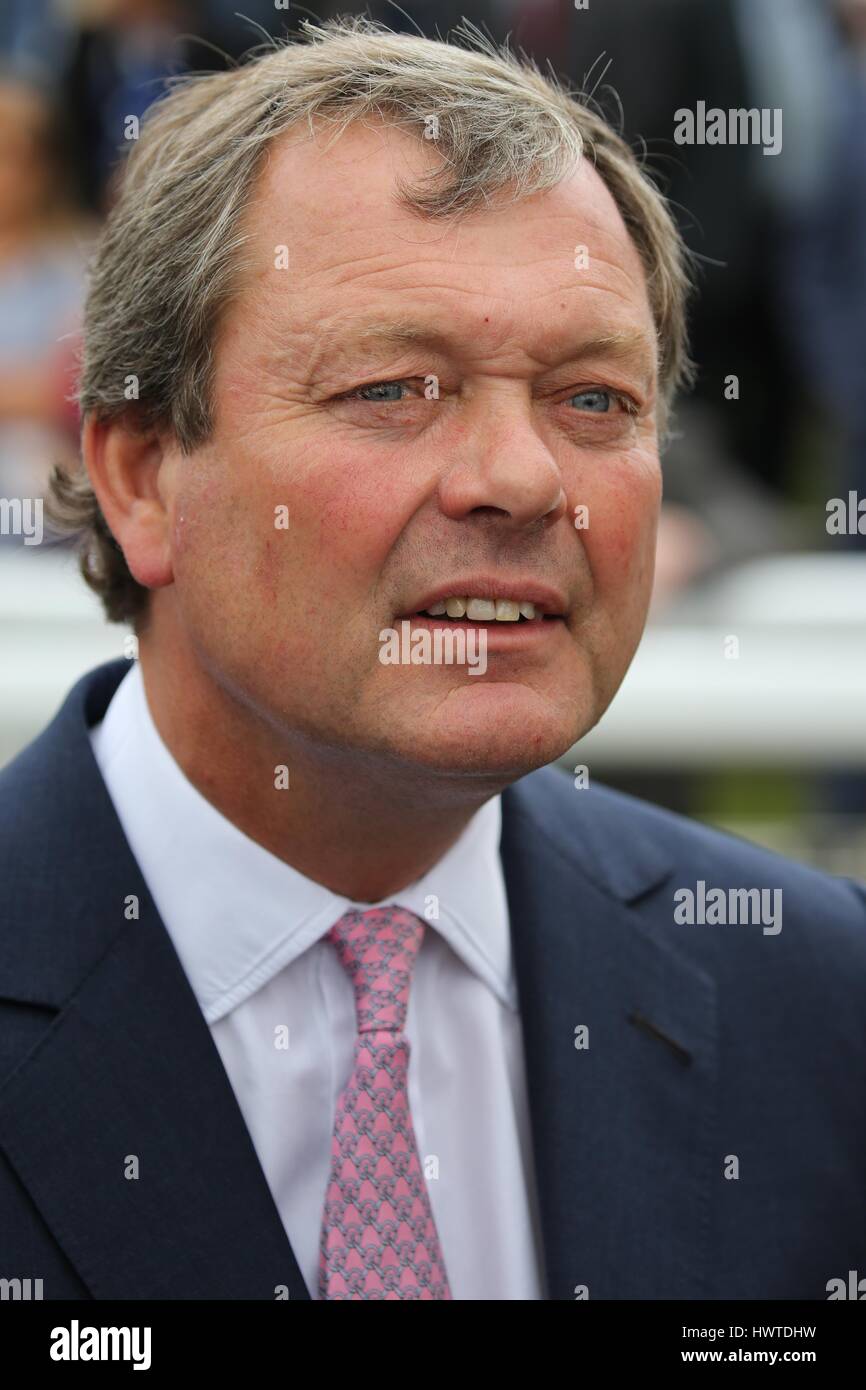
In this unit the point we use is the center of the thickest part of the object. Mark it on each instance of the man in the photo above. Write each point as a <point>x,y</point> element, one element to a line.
<point>316,981</point>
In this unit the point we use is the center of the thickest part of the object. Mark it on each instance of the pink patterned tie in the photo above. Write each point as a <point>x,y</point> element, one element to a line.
<point>379,1238</point>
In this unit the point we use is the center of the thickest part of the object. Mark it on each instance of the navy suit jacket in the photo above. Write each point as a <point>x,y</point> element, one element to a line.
<point>704,1042</point>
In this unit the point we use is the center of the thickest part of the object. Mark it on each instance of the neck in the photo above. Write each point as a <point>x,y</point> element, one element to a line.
<point>361,829</point>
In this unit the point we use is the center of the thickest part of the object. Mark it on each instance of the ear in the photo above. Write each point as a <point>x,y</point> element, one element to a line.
<point>131,471</point>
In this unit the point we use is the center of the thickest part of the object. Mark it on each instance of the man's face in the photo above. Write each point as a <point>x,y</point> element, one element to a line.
<point>544,356</point>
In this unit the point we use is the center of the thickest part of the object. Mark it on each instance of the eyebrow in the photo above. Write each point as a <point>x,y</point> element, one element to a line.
<point>625,345</point>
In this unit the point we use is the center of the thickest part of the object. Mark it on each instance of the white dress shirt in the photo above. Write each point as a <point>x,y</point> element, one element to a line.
<point>248,931</point>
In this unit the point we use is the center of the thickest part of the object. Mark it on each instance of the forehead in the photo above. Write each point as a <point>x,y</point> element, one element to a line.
<point>354,250</point>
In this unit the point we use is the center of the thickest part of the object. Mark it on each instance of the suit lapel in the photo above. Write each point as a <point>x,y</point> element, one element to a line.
<point>625,1150</point>
<point>127,1074</point>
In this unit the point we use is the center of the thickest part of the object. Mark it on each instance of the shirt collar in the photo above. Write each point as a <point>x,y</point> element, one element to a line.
<point>237,914</point>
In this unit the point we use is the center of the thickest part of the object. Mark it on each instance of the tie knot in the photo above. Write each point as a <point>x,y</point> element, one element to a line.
<point>378,949</point>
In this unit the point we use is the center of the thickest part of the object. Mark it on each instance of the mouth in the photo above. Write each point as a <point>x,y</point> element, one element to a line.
<point>491,605</point>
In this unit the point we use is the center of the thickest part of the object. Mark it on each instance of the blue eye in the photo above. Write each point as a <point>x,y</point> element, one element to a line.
<point>598,402</point>
<point>379,388</point>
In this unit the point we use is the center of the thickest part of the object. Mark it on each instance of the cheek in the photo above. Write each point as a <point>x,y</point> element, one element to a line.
<point>345,510</point>
<point>349,520</point>
<point>221,533</point>
<point>199,535</point>
<point>623,516</point>
<point>348,517</point>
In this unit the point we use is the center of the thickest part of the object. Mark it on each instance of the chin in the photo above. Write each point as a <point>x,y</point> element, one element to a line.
<point>499,730</point>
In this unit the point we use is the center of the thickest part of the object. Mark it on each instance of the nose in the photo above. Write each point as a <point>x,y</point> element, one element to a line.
<point>503,467</point>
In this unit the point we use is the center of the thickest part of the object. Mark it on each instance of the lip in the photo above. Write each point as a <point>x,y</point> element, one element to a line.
<point>548,601</point>
<point>502,638</point>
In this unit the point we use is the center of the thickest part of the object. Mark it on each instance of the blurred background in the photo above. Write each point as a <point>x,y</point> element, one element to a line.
<point>746,705</point>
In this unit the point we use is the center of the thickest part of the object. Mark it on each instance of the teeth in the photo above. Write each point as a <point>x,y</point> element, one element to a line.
<point>483,610</point>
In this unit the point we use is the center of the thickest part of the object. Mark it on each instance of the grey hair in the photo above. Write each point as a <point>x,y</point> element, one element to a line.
<point>172,252</point>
